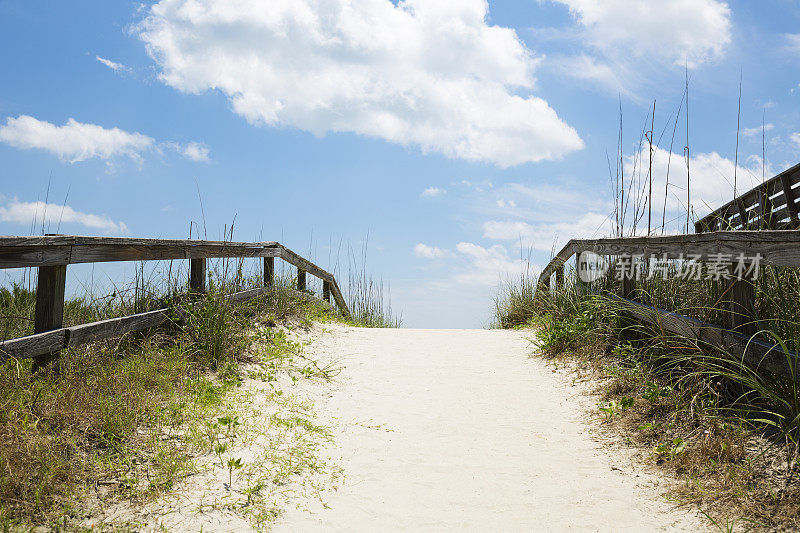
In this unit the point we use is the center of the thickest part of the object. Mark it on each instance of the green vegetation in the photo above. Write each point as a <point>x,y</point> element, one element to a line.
<point>127,417</point>
<point>730,432</point>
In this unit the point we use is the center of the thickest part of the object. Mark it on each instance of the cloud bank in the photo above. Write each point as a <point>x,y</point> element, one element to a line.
<point>434,75</point>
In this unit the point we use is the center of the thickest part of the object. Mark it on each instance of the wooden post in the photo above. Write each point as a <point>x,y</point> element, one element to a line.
<point>740,304</point>
<point>301,279</point>
<point>49,315</point>
<point>197,275</point>
<point>269,271</point>
<point>628,287</point>
<point>742,316</point>
<point>326,290</point>
<point>629,278</point>
<point>580,285</point>
<point>560,278</point>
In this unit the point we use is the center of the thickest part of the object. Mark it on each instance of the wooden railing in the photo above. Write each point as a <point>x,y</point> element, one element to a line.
<point>773,247</point>
<point>771,205</point>
<point>51,255</point>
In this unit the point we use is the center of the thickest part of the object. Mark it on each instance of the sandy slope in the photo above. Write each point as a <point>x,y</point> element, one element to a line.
<point>445,430</point>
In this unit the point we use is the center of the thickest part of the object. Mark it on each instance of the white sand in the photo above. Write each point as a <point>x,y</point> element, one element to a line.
<point>460,430</point>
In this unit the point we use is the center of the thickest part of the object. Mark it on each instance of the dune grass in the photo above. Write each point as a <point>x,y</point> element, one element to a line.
<point>96,417</point>
<point>729,431</point>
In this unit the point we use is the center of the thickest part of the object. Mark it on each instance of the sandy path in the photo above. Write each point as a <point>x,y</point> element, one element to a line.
<point>461,430</point>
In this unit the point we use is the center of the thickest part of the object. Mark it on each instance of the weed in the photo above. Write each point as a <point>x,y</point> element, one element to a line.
<point>129,411</point>
<point>705,416</point>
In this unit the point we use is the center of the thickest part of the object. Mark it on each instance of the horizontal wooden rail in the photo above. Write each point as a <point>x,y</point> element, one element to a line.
<point>772,247</point>
<point>32,346</point>
<point>71,250</point>
<point>755,352</point>
<point>775,247</point>
<point>52,253</point>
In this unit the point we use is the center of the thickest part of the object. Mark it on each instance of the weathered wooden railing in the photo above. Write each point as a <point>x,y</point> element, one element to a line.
<point>52,254</point>
<point>773,247</point>
<point>771,205</point>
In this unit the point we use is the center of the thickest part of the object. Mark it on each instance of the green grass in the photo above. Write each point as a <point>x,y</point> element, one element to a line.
<point>98,416</point>
<point>729,431</point>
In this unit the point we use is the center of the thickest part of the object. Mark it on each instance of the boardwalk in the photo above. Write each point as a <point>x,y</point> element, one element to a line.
<point>460,430</point>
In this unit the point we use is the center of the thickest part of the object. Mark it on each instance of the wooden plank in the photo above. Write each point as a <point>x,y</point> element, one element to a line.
<point>51,282</point>
<point>62,250</point>
<point>777,247</point>
<point>741,306</point>
<point>304,264</point>
<point>628,286</point>
<point>779,215</point>
<point>778,201</point>
<point>301,279</point>
<point>337,296</point>
<point>559,259</point>
<point>33,345</point>
<point>243,296</point>
<point>49,314</point>
<point>759,354</point>
<point>197,275</point>
<point>785,180</point>
<point>560,277</point>
<point>115,327</point>
<point>52,341</point>
<point>701,226</point>
<point>326,290</point>
<point>269,271</point>
<point>544,284</point>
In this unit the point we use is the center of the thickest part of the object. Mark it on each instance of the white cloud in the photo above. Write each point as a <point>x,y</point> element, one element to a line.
<point>712,179</point>
<point>74,141</point>
<point>196,151</point>
<point>428,74</point>
<point>792,42</point>
<point>430,252</point>
<point>546,237</point>
<point>795,138</point>
<point>488,266</point>
<point>681,32</point>
<point>630,43</point>
<point>432,192</point>
<point>501,203</point>
<point>583,67</point>
<point>116,67</point>
<point>37,213</point>
<point>752,132</point>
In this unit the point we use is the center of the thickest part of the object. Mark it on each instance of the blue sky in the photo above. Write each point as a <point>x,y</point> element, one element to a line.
<point>447,132</point>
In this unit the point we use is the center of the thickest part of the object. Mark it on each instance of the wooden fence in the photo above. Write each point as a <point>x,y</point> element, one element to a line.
<point>771,205</point>
<point>51,254</point>
<point>771,247</point>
